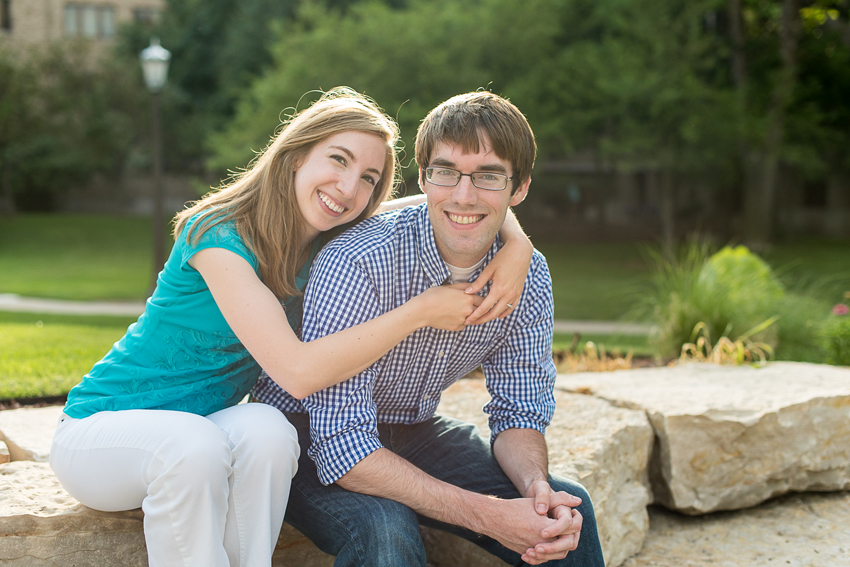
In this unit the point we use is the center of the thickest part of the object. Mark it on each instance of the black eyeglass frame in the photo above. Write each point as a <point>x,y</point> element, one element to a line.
<point>430,170</point>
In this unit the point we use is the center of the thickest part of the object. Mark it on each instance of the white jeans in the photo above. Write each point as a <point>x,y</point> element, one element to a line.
<point>213,489</point>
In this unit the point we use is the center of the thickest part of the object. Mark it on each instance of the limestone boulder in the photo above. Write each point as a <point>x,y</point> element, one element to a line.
<point>802,530</point>
<point>606,448</point>
<point>28,432</point>
<point>43,526</point>
<point>730,437</point>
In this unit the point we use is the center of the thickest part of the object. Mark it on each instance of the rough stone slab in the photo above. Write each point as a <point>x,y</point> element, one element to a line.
<point>797,530</point>
<point>605,448</point>
<point>730,437</point>
<point>28,432</point>
<point>41,525</point>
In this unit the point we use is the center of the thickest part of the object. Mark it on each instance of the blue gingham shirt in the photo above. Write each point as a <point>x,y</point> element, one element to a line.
<point>373,268</point>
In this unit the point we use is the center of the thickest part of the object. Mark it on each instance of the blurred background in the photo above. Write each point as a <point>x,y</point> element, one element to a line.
<point>654,117</point>
<point>667,129</point>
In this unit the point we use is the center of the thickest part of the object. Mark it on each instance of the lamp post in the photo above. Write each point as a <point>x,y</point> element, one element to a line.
<point>155,59</point>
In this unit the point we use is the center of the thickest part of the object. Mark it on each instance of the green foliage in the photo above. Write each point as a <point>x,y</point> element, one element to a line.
<point>835,334</point>
<point>407,60</point>
<point>646,85</point>
<point>218,48</point>
<point>727,293</point>
<point>733,291</point>
<point>64,118</point>
<point>633,80</point>
<point>744,281</point>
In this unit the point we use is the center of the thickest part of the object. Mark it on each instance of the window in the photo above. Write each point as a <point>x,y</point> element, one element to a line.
<point>89,20</point>
<point>6,15</point>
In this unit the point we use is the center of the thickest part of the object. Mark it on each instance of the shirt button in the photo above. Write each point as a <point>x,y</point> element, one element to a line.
<point>435,285</point>
<point>440,354</point>
<point>426,397</point>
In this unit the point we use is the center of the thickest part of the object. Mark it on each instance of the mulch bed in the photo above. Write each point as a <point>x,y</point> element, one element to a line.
<point>18,403</point>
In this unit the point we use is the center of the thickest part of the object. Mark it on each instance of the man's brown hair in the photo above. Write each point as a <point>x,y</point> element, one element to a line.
<point>463,119</point>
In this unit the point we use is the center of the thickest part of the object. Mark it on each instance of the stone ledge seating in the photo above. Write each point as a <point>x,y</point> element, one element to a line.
<point>703,437</point>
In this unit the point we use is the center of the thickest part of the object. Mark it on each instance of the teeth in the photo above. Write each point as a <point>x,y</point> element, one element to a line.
<point>459,219</point>
<point>331,205</point>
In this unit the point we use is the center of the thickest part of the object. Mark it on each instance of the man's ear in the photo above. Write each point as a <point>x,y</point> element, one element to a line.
<point>521,193</point>
<point>422,180</point>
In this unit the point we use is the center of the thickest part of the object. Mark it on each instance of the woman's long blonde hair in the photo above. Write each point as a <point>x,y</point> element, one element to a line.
<point>261,201</point>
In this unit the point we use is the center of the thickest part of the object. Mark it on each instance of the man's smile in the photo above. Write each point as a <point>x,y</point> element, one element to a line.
<point>460,218</point>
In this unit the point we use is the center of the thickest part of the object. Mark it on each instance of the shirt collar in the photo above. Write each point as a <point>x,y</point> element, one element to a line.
<point>429,255</point>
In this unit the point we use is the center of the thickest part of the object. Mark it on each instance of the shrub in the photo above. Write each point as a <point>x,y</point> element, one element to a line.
<point>727,293</point>
<point>801,315</point>
<point>836,335</point>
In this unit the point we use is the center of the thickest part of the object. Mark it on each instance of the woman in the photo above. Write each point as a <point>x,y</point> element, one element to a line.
<point>156,422</point>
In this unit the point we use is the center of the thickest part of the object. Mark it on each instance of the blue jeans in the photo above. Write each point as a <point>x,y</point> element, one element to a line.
<point>363,530</point>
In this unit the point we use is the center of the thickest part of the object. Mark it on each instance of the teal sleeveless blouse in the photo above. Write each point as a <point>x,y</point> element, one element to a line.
<point>181,354</point>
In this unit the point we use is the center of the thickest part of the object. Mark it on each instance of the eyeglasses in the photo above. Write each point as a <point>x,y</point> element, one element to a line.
<point>446,177</point>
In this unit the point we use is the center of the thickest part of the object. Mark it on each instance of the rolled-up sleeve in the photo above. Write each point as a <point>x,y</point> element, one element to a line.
<point>343,424</point>
<point>521,373</point>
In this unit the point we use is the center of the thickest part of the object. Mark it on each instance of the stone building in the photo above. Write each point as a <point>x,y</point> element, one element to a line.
<point>31,22</point>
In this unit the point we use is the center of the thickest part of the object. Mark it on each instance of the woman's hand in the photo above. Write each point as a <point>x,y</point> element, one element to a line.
<point>508,271</point>
<point>446,307</point>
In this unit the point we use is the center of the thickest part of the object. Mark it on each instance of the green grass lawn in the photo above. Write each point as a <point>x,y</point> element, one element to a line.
<point>83,257</point>
<point>88,257</point>
<point>46,355</point>
<point>594,281</point>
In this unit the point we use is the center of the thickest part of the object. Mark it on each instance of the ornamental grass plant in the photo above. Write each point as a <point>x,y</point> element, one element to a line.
<point>726,295</point>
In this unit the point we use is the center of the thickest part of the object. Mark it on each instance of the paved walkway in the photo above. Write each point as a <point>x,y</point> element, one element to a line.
<point>13,302</point>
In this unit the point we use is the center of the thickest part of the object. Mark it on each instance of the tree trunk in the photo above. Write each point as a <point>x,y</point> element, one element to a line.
<point>736,32</point>
<point>760,198</point>
<point>7,200</point>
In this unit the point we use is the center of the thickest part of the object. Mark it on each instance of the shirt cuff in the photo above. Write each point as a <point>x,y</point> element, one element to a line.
<point>497,426</point>
<point>338,454</point>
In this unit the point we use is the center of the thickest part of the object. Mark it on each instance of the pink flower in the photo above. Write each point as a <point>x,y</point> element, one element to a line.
<point>840,309</point>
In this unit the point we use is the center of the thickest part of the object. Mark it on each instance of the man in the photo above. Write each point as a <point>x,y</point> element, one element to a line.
<point>380,461</point>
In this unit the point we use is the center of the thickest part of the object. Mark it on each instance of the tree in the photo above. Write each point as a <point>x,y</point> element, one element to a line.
<point>681,89</point>
<point>63,118</point>
<point>408,60</point>
<point>792,91</point>
<point>637,83</point>
<point>16,86</point>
